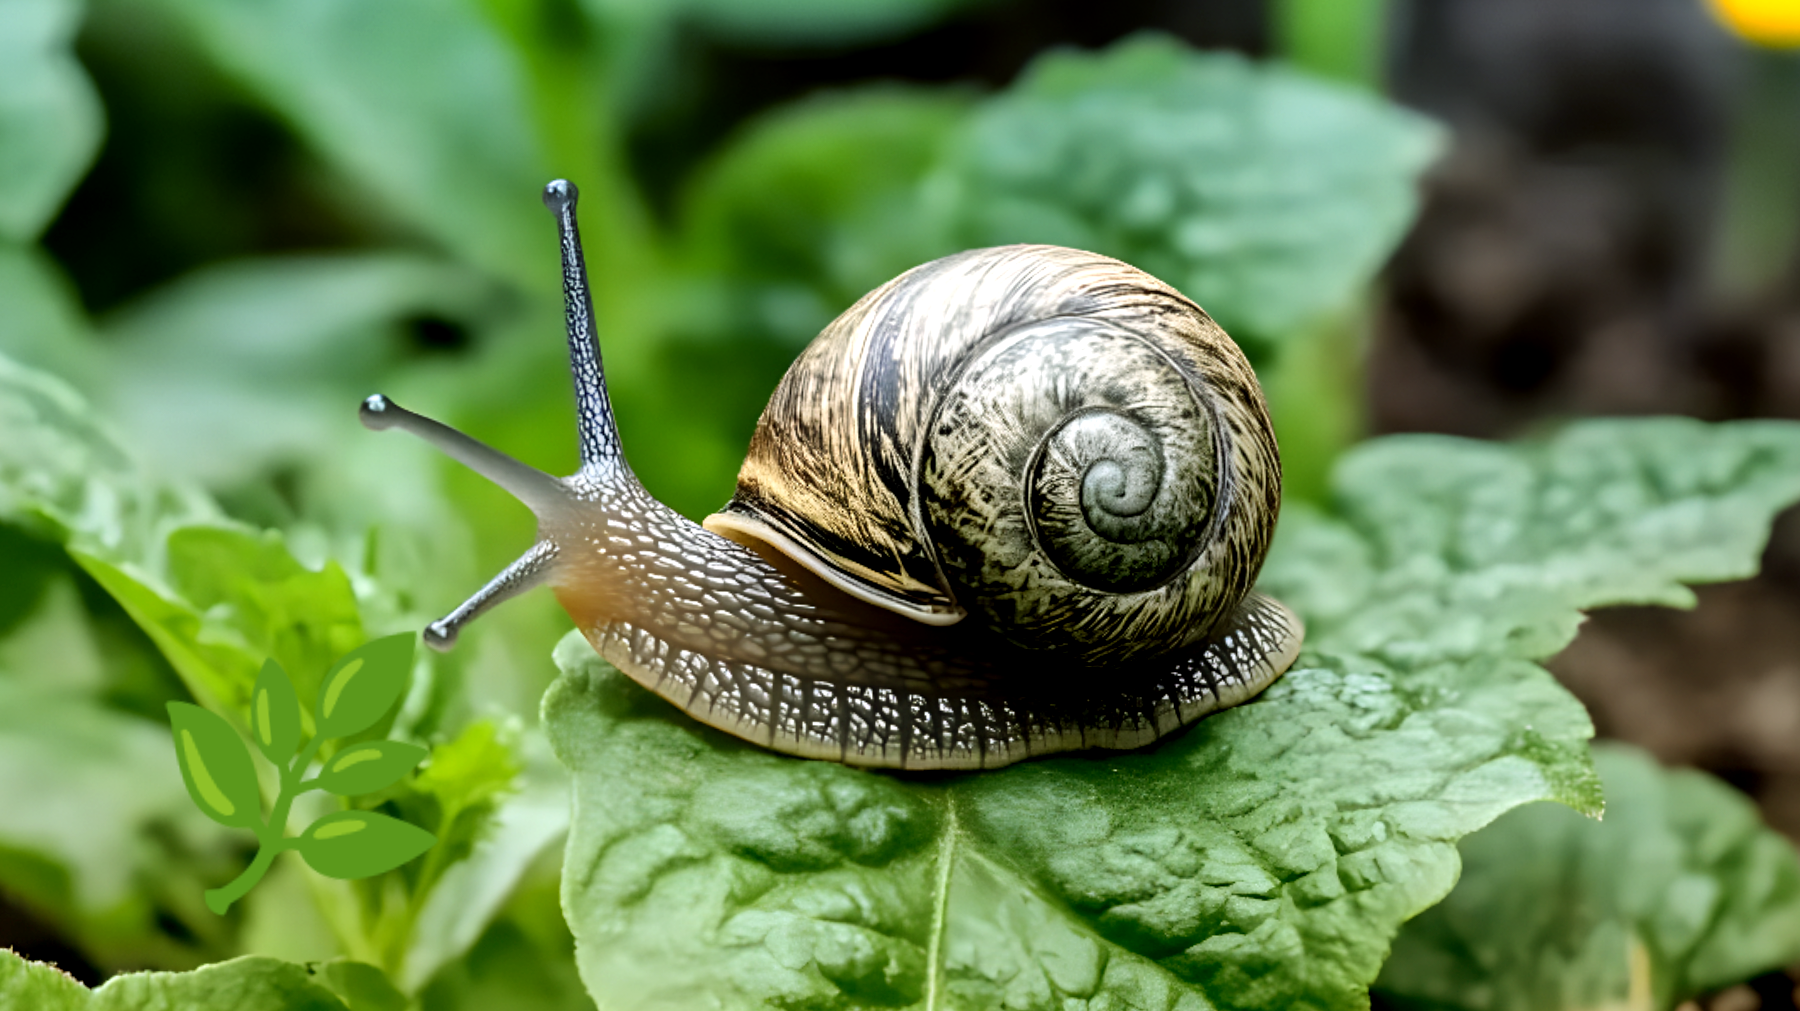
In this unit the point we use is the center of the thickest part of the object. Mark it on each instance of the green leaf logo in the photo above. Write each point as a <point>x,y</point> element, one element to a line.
<point>216,767</point>
<point>358,844</point>
<point>364,685</point>
<point>275,714</point>
<point>365,768</point>
<point>355,695</point>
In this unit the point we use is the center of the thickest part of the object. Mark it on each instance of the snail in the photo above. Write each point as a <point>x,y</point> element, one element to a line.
<point>1009,504</point>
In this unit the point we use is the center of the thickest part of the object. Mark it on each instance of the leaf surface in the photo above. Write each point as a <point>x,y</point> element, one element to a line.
<point>242,984</point>
<point>1550,903</point>
<point>1265,858</point>
<point>224,599</point>
<point>1444,548</point>
<point>1267,196</point>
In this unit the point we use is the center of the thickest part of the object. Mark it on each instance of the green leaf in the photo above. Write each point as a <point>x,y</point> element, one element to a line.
<point>226,598</point>
<point>242,984</point>
<point>215,597</point>
<point>370,766</point>
<point>42,324</point>
<point>1445,548</point>
<point>64,476</point>
<point>500,807</point>
<point>50,117</point>
<point>360,844</point>
<point>236,368</point>
<point>1681,865</point>
<point>1265,858</point>
<point>815,22</point>
<point>421,102</point>
<point>1260,860</point>
<point>362,686</point>
<point>815,205</point>
<point>362,986</point>
<point>1267,196</point>
<point>473,768</point>
<point>216,767</point>
<point>525,961</point>
<point>275,714</point>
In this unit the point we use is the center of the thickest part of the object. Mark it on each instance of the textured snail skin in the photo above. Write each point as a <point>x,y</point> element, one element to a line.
<point>752,634</point>
<point>760,648</point>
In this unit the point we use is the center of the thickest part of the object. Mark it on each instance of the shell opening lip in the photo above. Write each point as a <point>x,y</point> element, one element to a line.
<point>728,524</point>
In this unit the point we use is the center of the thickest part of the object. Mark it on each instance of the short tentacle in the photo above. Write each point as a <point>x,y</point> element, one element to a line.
<point>531,570</point>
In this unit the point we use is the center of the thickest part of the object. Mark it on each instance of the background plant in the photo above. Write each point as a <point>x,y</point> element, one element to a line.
<point>185,492</point>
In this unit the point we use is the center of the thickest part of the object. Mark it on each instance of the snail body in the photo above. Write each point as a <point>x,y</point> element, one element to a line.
<point>1011,503</point>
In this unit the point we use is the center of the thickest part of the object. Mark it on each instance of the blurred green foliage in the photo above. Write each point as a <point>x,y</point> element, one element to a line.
<point>301,202</point>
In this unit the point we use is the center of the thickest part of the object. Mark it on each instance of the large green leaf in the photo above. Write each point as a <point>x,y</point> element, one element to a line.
<point>1265,858</point>
<point>245,365</point>
<point>1444,548</point>
<point>1267,196</point>
<point>1262,860</point>
<point>1550,903</point>
<point>243,984</point>
<point>419,101</point>
<point>50,118</point>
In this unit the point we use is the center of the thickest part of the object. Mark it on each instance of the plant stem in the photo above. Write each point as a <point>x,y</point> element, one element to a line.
<point>220,899</point>
<point>272,837</point>
<point>1341,39</point>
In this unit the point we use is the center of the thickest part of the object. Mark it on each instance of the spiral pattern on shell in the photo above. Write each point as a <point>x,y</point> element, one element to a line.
<point>1051,440</point>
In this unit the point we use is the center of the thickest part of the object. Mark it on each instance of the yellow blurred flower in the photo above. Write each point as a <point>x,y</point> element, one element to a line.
<point>1765,22</point>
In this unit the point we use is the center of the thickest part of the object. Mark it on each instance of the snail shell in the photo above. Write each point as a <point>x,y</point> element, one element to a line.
<point>1009,504</point>
<point>1050,438</point>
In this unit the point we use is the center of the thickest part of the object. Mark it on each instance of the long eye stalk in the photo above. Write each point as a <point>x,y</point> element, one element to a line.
<point>593,411</point>
<point>548,497</point>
